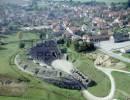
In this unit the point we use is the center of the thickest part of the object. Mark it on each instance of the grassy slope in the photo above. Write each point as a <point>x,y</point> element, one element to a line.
<point>122,80</point>
<point>127,55</point>
<point>87,67</point>
<point>36,89</point>
<point>123,85</point>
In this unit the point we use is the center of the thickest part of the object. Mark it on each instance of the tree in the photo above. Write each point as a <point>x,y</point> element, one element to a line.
<point>80,33</point>
<point>21,45</point>
<point>0,42</point>
<point>68,43</point>
<point>41,36</point>
<point>128,3</point>
<point>61,41</point>
<point>113,6</point>
<point>43,33</point>
<point>63,50</point>
<point>121,34</point>
<point>81,46</point>
<point>20,37</point>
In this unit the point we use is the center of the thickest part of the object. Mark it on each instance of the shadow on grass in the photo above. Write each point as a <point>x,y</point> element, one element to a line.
<point>3,36</point>
<point>2,48</point>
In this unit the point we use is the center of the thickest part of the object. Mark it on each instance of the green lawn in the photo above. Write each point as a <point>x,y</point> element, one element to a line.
<point>127,55</point>
<point>86,66</point>
<point>122,84</point>
<point>36,89</point>
<point>39,90</point>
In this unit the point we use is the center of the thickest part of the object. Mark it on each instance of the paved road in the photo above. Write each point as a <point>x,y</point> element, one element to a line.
<point>111,45</point>
<point>121,71</point>
<point>116,56</point>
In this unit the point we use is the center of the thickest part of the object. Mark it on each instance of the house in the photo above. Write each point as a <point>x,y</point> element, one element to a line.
<point>96,38</point>
<point>102,35</point>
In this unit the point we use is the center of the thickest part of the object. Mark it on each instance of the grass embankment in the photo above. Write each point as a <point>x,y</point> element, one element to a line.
<point>39,90</point>
<point>127,55</point>
<point>86,66</point>
<point>122,85</point>
<point>36,89</point>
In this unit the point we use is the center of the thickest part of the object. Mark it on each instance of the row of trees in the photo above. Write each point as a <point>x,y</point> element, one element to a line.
<point>120,34</point>
<point>79,45</point>
<point>120,30</point>
<point>119,6</point>
<point>43,34</point>
<point>82,46</point>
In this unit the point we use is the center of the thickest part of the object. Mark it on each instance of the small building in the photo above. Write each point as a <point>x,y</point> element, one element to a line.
<point>96,38</point>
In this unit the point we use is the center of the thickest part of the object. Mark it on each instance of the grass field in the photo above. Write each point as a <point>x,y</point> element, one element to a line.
<point>39,90</point>
<point>122,80</point>
<point>86,66</point>
<point>36,89</point>
<point>123,85</point>
<point>127,55</point>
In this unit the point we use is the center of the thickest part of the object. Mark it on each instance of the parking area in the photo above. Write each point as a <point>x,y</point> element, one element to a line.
<point>110,45</point>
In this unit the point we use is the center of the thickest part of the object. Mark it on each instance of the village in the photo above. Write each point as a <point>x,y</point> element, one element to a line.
<point>65,50</point>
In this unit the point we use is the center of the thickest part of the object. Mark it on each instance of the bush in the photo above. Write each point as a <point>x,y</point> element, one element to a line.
<point>21,45</point>
<point>81,46</point>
